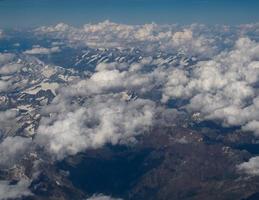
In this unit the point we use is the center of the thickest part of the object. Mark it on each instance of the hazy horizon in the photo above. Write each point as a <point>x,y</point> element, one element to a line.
<point>29,13</point>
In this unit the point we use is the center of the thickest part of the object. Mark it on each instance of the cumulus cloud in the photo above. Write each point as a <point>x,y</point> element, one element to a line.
<point>98,109</point>
<point>7,115</point>
<point>42,50</point>
<point>118,77</point>
<point>4,85</point>
<point>9,64</point>
<point>118,101</point>
<point>11,191</point>
<point>101,119</point>
<point>188,43</point>
<point>223,88</point>
<point>12,150</point>
<point>6,58</point>
<point>251,167</point>
<point>10,68</point>
<point>1,34</point>
<point>252,126</point>
<point>102,197</point>
<point>148,37</point>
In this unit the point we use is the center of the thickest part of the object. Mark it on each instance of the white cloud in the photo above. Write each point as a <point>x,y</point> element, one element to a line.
<point>4,85</point>
<point>6,58</point>
<point>1,34</point>
<point>10,191</point>
<point>251,167</point>
<point>116,78</point>
<point>102,119</point>
<point>187,42</point>
<point>175,85</point>
<point>7,115</point>
<point>252,126</point>
<point>42,50</point>
<point>102,197</point>
<point>148,37</point>
<point>223,88</point>
<point>10,68</point>
<point>12,149</point>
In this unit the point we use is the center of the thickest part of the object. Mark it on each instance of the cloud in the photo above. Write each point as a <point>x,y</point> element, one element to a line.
<point>175,85</point>
<point>11,191</point>
<point>12,149</point>
<point>117,77</point>
<point>42,50</point>
<point>9,64</point>
<point>251,167</point>
<point>6,58</point>
<point>101,119</point>
<point>215,73</point>
<point>223,88</point>
<point>252,126</point>
<point>10,68</point>
<point>118,101</point>
<point>1,34</point>
<point>4,85</point>
<point>102,197</point>
<point>7,115</point>
<point>99,109</point>
<point>187,42</point>
<point>148,37</point>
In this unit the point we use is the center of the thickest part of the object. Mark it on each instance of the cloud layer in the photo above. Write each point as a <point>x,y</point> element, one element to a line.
<point>42,50</point>
<point>12,191</point>
<point>100,120</point>
<point>251,167</point>
<point>223,88</point>
<point>1,34</point>
<point>13,149</point>
<point>102,197</point>
<point>149,37</point>
<point>214,71</point>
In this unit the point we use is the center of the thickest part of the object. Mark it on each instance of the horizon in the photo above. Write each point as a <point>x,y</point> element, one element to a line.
<point>21,13</point>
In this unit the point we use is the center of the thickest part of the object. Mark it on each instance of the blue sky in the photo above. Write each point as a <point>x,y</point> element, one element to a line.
<point>26,13</point>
